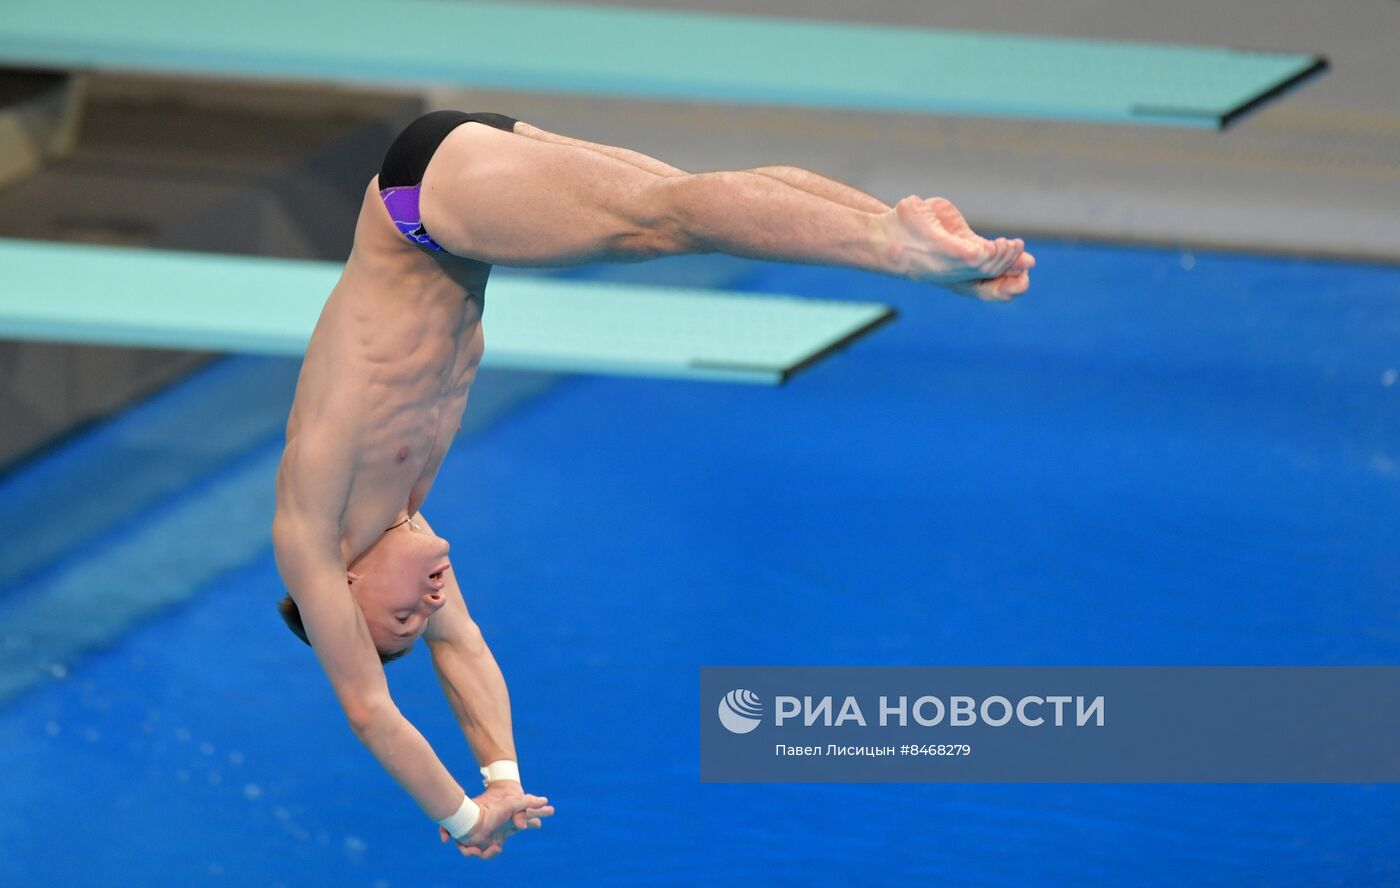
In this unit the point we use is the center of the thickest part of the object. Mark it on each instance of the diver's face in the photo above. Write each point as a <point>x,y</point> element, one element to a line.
<point>398,584</point>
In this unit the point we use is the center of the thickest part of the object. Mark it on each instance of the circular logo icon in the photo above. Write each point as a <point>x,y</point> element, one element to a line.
<point>740,711</point>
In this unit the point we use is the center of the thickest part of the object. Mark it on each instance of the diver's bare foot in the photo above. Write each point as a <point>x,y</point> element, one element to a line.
<point>931,242</point>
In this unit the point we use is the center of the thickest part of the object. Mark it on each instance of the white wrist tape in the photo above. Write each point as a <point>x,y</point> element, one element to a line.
<point>461,823</point>
<point>505,769</point>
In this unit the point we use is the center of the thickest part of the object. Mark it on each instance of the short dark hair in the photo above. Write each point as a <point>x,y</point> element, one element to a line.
<point>291,615</point>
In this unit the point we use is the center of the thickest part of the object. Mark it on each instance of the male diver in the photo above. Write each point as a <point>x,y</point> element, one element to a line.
<point>388,369</point>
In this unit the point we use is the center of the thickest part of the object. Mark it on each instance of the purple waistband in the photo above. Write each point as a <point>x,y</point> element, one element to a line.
<point>402,203</point>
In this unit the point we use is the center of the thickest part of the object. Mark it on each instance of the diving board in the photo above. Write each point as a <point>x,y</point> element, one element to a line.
<point>685,56</point>
<point>257,305</point>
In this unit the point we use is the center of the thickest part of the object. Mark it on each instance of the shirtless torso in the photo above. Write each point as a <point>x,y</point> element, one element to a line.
<point>387,374</point>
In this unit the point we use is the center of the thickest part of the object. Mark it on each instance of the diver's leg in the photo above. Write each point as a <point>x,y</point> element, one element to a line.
<point>504,199</point>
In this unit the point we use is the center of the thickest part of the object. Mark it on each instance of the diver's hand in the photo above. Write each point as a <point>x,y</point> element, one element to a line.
<point>505,810</point>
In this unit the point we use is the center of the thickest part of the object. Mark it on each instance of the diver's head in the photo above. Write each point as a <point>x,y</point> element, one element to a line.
<point>397,583</point>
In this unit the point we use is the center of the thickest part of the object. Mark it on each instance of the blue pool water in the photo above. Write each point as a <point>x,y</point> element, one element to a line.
<point>1155,458</point>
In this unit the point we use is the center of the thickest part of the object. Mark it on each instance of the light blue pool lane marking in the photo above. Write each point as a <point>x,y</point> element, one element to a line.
<point>166,299</point>
<point>689,56</point>
<point>54,504</point>
<point>112,587</point>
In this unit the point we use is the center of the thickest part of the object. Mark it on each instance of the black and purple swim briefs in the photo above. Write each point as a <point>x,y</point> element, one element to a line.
<point>401,175</point>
